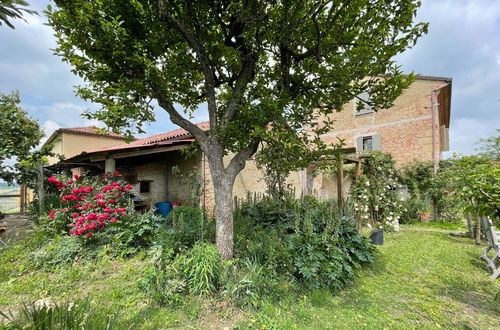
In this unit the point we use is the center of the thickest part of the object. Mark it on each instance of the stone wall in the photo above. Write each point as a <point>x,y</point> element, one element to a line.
<point>164,185</point>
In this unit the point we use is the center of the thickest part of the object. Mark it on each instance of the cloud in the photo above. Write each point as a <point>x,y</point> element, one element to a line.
<point>463,43</point>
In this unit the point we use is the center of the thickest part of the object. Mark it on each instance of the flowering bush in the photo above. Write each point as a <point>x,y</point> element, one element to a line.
<point>375,196</point>
<point>90,204</point>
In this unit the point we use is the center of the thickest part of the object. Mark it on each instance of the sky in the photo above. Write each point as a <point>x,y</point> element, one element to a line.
<point>463,43</point>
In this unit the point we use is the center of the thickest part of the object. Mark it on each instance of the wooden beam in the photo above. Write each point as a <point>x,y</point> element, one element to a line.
<point>358,170</point>
<point>340,176</point>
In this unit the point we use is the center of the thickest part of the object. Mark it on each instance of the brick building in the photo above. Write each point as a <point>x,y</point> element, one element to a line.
<point>416,127</point>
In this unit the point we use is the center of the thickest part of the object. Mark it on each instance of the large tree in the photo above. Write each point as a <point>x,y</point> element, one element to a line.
<point>20,135</point>
<point>253,62</point>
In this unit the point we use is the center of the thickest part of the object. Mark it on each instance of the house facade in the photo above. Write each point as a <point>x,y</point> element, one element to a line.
<point>69,142</point>
<point>416,127</point>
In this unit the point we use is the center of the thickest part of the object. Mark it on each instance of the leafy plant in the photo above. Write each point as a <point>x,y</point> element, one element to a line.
<point>375,196</point>
<point>203,269</point>
<point>46,315</point>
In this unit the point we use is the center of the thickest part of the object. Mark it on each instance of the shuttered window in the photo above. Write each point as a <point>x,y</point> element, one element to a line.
<point>368,142</point>
<point>361,107</point>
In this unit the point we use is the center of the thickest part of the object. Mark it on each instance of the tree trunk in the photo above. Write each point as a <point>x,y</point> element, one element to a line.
<point>477,223</point>
<point>223,188</point>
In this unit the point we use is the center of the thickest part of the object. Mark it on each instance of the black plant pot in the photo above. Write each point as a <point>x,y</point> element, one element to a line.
<point>377,237</point>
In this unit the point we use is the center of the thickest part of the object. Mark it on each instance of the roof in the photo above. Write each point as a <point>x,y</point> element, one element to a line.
<point>434,78</point>
<point>86,130</point>
<point>172,135</point>
<point>178,136</point>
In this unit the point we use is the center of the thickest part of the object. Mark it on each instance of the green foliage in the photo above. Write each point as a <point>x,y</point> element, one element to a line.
<point>45,314</point>
<point>59,251</point>
<point>10,9</point>
<point>316,243</point>
<point>140,230</point>
<point>198,271</point>
<point>375,195</point>
<point>284,63</point>
<point>20,135</point>
<point>490,147</point>
<point>203,269</point>
<point>248,282</point>
<point>477,181</point>
<point>192,180</point>
<point>188,226</point>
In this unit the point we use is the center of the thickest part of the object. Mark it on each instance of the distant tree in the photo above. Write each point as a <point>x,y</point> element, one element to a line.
<point>253,62</point>
<point>489,148</point>
<point>20,135</point>
<point>12,9</point>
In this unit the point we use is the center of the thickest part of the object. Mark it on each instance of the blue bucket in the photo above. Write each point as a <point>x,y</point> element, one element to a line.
<point>163,208</point>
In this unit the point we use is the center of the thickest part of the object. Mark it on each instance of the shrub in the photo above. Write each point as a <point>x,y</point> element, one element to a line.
<point>188,226</point>
<point>163,280</point>
<point>315,242</point>
<point>61,250</point>
<point>90,204</point>
<point>198,271</point>
<point>44,314</point>
<point>375,197</point>
<point>203,269</point>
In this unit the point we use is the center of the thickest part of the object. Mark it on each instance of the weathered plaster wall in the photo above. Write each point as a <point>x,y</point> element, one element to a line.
<point>69,144</point>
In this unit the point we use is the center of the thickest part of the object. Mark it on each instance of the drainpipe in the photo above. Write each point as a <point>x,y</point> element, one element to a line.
<point>435,129</point>
<point>435,143</point>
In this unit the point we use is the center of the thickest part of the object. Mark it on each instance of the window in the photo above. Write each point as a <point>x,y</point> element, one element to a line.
<point>367,143</point>
<point>144,187</point>
<point>361,107</point>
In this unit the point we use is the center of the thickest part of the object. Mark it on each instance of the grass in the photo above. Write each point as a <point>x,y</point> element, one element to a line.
<point>422,278</point>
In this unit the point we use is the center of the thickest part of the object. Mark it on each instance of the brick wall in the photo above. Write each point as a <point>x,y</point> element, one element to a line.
<point>405,130</point>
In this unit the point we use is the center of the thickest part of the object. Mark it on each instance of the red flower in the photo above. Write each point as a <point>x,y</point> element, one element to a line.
<point>89,234</point>
<point>51,215</point>
<point>116,173</point>
<point>108,209</point>
<point>76,176</point>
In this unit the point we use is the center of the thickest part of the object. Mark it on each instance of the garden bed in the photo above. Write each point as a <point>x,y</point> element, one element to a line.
<point>422,278</point>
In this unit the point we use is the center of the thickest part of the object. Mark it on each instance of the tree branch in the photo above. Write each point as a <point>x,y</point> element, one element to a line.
<point>238,162</point>
<point>206,63</point>
<point>179,120</point>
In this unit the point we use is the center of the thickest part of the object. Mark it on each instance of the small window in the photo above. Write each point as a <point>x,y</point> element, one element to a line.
<point>144,187</point>
<point>367,143</point>
<point>361,106</point>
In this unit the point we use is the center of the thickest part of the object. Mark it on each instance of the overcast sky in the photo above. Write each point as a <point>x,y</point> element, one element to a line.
<point>463,43</point>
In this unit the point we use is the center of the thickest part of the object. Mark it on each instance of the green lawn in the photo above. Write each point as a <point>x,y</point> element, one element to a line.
<point>422,278</point>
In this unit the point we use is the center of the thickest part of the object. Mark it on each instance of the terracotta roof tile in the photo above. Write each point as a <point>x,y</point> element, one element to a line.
<point>172,135</point>
<point>91,130</point>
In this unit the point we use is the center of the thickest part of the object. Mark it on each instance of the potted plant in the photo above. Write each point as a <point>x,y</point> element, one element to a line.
<point>424,210</point>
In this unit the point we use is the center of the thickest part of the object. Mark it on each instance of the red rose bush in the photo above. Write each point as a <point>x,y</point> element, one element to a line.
<point>89,205</point>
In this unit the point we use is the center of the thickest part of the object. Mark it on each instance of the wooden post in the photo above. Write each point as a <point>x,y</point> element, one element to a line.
<point>41,195</point>
<point>358,170</point>
<point>340,176</point>
<point>22,199</point>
